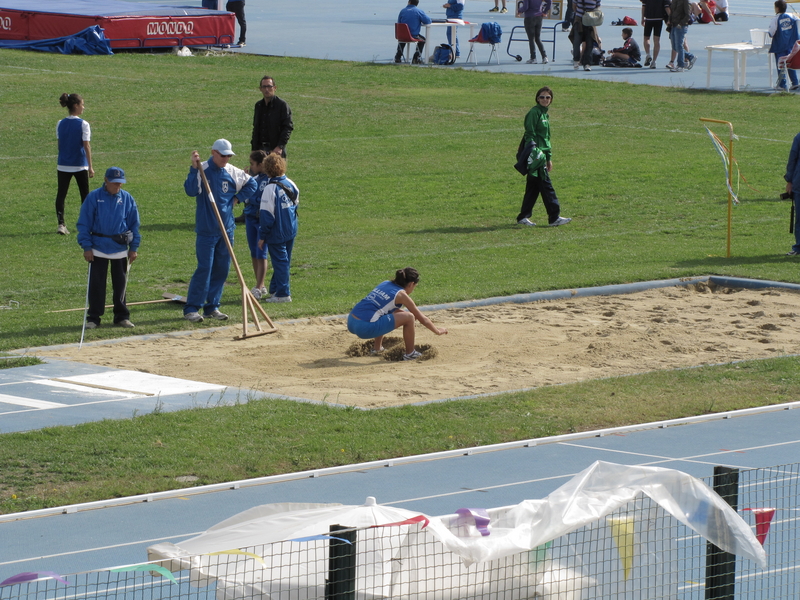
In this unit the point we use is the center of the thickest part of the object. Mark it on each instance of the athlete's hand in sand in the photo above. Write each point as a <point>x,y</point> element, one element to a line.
<point>441,331</point>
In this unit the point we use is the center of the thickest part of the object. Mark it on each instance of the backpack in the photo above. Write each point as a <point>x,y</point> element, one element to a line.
<point>444,55</point>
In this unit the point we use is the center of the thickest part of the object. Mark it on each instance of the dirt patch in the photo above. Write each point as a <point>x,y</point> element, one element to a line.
<point>489,349</point>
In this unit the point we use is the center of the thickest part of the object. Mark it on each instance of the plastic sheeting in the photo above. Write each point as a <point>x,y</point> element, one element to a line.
<point>476,553</point>
<point>89,41</point>
<point>593,494</point>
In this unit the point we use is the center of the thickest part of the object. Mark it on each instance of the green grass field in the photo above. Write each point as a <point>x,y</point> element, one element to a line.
<point>396,167</point>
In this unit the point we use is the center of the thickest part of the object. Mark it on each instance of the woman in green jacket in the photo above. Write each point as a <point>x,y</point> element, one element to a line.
<point>537,130</point>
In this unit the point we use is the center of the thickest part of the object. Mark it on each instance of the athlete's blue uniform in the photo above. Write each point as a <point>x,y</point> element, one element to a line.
<point>373,316</point>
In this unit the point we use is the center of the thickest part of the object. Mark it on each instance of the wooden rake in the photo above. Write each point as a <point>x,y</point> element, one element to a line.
<point>249,303</point>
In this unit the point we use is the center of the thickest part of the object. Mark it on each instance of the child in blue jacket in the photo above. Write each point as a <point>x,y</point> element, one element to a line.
<point>278,225</point>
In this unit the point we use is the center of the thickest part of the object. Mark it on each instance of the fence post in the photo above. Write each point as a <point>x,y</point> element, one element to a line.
<point>341,582</point>
<point>720,565</point>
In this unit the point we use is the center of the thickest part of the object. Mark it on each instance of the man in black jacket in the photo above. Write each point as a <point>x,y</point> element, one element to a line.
<point>272,121</point>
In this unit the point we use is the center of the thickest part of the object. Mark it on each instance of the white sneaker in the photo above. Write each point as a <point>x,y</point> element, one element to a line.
<point>587,68</point>
<point>62,229</point>
<point>413,356</point>
<point>256,293</point>
<point>544,60</point>
<point>576,64</point>
<point>532,61</point>
<point>279,299</point>
<point>265,293</point>
<point>653,65</point>
<point>560,221</point>
<point>93,325</point>
<point>124,323</point>
<point>194,317</point>
<point>527,222</point>
<point>219,316</point>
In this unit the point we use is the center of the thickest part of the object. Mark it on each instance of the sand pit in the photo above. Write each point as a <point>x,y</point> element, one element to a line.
<point>489,349</point>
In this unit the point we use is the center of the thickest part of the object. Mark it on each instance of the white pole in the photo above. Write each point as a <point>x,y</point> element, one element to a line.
<point>86,310</point>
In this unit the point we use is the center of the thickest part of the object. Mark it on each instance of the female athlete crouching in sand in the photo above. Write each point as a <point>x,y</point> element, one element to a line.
<point>380,312</point>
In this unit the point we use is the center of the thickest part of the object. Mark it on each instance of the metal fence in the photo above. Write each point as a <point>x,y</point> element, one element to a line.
<point>638,553</point>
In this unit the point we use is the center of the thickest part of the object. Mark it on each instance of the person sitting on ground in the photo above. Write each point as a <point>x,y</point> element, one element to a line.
<point>415,18</point>
<point>629,54</point>
<point>721,10</point>
<point>278,225</point>
<point>784,32</point>
<point>381,312</point>
<point>703,11</point>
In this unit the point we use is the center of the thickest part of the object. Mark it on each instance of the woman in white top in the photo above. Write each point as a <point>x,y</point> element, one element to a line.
<point>74,154</point>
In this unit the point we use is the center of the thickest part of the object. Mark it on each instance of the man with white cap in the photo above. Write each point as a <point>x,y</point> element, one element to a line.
<point>213,260</point>
<point>108,232</point>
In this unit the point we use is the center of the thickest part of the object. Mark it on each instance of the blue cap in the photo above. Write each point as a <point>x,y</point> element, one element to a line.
<point>115,175</point>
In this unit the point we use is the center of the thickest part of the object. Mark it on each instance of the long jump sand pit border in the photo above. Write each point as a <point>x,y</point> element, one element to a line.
<point>494,345</point>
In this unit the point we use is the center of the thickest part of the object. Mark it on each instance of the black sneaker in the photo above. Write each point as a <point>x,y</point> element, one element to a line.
<point>647,61</point>
<point>398,59</point>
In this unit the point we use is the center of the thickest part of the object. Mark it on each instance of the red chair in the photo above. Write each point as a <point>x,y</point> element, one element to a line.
<point>479,39</point>
<point>403,35</point>
<point>792,61</point>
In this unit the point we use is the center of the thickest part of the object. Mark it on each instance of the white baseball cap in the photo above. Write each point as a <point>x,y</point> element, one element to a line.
<point>224,147</point>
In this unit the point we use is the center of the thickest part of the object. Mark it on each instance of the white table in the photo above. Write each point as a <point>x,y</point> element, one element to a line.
<point>740,52</point>
<point>452,26</point>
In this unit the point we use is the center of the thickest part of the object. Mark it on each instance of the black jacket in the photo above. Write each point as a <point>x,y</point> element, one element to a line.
<point>272,125</point>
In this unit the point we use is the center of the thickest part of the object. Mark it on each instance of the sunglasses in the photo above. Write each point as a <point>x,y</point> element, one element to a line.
<point>544,98</point>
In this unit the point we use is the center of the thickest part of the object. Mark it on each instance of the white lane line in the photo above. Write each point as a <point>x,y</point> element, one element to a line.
<point>28,402</point>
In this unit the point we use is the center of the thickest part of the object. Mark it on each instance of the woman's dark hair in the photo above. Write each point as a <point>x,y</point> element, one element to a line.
<point>70,101</point>
<point>403,277</point>
<point>258,156</point>
<point>545,89</point>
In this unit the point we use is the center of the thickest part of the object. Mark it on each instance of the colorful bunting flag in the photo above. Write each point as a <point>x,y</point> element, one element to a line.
<point>622,532</point>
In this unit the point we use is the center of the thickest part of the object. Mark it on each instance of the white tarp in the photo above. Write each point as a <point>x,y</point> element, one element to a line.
<point>452,557</point>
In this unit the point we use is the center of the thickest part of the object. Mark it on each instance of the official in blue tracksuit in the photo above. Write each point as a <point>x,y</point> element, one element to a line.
<point>213,259</point>
<point>792,178</point>
<point>415,18</point>
<point>454,9</point>
<point>108,232</point>
<point>784,31</point>
<point>278,225</point>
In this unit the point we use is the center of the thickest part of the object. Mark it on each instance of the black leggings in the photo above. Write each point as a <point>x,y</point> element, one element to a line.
<point>64,178</point>
<point>237,8</point>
